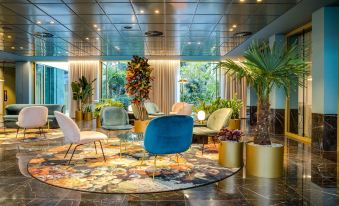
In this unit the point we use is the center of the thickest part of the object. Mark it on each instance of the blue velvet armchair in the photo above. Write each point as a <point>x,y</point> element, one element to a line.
<point>168,135</point>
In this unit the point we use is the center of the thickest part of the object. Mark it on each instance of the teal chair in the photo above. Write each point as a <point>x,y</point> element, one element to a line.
<point>114,118</point>
<point>168,135</point>
<point>153,109</point>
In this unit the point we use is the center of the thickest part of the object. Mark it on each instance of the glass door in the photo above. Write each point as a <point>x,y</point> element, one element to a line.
<point>299,114</point>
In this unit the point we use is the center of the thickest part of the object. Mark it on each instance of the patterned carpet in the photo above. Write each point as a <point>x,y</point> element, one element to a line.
<point>128,174</point>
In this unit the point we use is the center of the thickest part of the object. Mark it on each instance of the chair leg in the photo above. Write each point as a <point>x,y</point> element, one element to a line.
<point>24,133</point>
<point>177,156</point>
<point>75,148</point>
<point>95,146</point>
<point>17,132</point>
<point>68,150</point>
<point>102,150</point>
<point>155,165</point>
<point>143,157</point>
<point>42,132</point>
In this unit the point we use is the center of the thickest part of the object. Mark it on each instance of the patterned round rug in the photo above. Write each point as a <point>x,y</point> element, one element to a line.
<point>128,174</point>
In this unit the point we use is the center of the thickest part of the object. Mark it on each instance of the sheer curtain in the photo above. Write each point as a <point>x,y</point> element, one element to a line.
<point>89,69</point>
<point>165,83</point>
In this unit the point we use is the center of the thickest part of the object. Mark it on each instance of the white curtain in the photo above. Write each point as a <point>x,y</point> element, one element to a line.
<point>88,69</point>
<point>165,83</point>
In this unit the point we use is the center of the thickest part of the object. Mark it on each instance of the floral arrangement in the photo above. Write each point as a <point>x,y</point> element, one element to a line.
<point>229,135</point>
<point>138,82</point>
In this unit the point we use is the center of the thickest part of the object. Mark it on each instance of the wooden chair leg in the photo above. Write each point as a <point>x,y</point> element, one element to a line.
<point>17,132</point>
<point>102,150</point>
<point>68,150</point>
<point>95,146</point>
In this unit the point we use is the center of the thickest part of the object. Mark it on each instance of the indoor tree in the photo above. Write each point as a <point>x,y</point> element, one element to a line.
<point>265,67</point>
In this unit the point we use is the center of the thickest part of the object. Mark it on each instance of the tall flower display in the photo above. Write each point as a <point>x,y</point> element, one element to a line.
<point>138,83</point>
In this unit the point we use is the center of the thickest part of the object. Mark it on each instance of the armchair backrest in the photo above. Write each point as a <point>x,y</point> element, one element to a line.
<point>169,134</point>
<point>69,128</point>
<point>151,108</point>
<point>186,110</point>
<point>33,117</point>
<point>178,106</point>
<point>219,119</point>
<point>114,116</point>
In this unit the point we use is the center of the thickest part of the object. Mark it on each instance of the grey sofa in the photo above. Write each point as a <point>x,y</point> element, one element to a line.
<point>12,113</point>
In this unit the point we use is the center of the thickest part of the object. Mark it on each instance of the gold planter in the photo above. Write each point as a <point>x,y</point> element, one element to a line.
<point>264,160</point>
<point>78,115</point>
<point>88,116</point>
<point>234,124</point>
<point>98,122</point>
<point>140,126</point>
<point>231,154</point>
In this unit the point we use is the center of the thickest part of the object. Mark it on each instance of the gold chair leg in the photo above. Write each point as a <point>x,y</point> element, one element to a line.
<point>155,165</point>
<point>143,157</point>
<point>177,156</point>
<point>120,150</point>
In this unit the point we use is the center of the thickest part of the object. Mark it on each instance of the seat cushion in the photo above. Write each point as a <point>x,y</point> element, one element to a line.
<point>91,136</point>
<point>11,118</point>
<point>119,127</point>
<point>204,131</point>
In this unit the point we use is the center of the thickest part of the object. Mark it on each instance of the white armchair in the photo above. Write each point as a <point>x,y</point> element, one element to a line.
<point>182,108</point>
<point>35,117</point>
<point>73,135</point>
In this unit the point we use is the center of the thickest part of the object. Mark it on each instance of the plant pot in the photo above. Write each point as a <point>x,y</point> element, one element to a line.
<point>264,160</point>
<point>231,154</point>
<point>78,115</point>
<point>140,125</point>
<point>88,116</point>
<point>234,124</point>
<point>98,122</point>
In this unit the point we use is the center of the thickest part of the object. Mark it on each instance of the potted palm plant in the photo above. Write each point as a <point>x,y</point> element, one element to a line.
<point>230,148</point>
<point>138,86</point>
<point>264,68</point>
<point>82,91</point>
<point>235,104</point>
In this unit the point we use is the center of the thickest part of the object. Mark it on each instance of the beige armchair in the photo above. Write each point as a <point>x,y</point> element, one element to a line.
<point>35,117</point>
<point>216,121</point>
<point>73,135</point>
<point>182,108</point>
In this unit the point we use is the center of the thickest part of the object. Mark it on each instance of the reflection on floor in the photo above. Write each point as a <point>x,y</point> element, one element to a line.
<point>310,179</point>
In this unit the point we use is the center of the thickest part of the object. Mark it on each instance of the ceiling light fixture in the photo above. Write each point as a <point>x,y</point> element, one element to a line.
<point>87,38</point>
<point>117,48</point>
<point>234,26</point>
<point>21,47</point>
<point>38,22</point>
<point>242,0</point>
<point>198,42</point>
<point>99,29</point>
<point>259,0</point>
<point>12,47</point>
<point>51,22</point>
<point>97,38</point>
<point>141,11</point>
<point>189,42</point>
<point>95,26</point>
<point>231,29</point>
<point>156,11</point>
<point>9,36</point>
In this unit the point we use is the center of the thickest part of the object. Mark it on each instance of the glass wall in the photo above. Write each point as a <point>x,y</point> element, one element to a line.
<point>200,81</point>
<point>114,80</point>
<point>51,83</point>
<point>300,101</point>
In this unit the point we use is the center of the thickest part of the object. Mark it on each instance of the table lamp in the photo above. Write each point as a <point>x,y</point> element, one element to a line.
<point>201,116</point>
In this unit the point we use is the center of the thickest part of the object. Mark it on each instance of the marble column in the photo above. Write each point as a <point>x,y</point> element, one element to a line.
<point>325,35</point>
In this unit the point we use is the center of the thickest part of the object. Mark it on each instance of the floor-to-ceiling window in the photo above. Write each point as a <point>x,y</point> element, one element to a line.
<point>114,80</point>
<point>51,83</point>
<point>300,101</point>
<point>198,81</point>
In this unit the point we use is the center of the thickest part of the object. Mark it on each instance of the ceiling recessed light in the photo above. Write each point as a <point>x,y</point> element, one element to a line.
<point>66,52</point>
<point>157,11</point>
<point>141,11</point>
<point>87,38</point>
<point>9,36</point>
<point>234,26</point>
<point>95,26</point>
<point>259,0</point>
<point>12,47</point>
<point>21,47</point>
<point>242,0</point>
<point>231,29</point>
<point>189,42</point>
<point>117,48</point>
<point>51,22</point>
<point>97,38</point>
<point>198,42</point>
<point>99,29</point>
<point>38,22</point>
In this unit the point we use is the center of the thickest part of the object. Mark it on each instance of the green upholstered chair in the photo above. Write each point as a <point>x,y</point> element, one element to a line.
<point>153,109</point>
<point>216,121</point>
<point>114,118</point>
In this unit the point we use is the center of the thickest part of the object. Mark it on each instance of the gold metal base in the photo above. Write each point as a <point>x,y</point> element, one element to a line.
<point>140,126</point>
<point>234,124</point>
<point>264,161</point>
<point>98,122</point>
<point>231,154</point>
<point>88,116</point>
